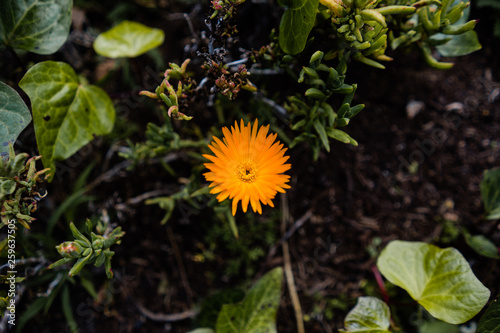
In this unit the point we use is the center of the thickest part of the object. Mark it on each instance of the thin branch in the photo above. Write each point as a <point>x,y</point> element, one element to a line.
<point>303,219</point>
<point>288,268</point>
<point>166,317</point>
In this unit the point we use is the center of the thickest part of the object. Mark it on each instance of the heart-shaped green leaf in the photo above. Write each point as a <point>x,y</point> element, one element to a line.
<point>490,191</point>
<point>128,39</point>
<point>39,26</point>
<point>67,114</point>
<point>296,24</point>
<point>490,322</point>
<point>440,280</point>
<point>460,45</point>
<point>14,117</point>
<point>370,315</point>
<point>482,245</point>
<point>257,312</point>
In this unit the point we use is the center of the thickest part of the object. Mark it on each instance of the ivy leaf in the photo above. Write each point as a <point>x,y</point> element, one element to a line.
<point>460,45</point>
<point>296,24</point>
<point>128,39</point>
<point>14,117</point>
<point>370,315</point>
<point>67,113</point>
<point>490,322</point>
<point>440,280</point>
<point>438,327</point>
<point>257,312</point>
<point>482,245</point>
<point>490,192</point>
<point>39,26</point>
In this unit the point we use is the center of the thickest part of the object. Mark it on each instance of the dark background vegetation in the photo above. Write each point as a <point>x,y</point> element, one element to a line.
<point>411,178</point>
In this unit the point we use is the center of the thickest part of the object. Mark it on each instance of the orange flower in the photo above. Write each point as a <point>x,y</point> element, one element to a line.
<point>248,166</point>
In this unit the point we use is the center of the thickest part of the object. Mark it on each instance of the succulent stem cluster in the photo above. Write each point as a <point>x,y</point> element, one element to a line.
<point>85,251</point>
<point>165,91</point>
<point>18,180</point>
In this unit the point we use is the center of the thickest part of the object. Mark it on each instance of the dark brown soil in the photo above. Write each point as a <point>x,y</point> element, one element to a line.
<point>410,178</point>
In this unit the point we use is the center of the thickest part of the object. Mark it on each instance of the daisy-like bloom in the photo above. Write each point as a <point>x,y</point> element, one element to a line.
<point>248,166</point>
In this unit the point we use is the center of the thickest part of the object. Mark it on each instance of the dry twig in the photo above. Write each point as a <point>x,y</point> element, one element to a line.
<point>288,268</point>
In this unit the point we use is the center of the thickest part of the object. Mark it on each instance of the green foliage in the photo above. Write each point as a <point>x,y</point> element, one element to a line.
<point>243,253</point>
<point>439,24</point>
<point>490,191</point>
<point>67,113</point>
<point>94,251</point>
<point>370,315</point>
<point>313,115</point>
<point>482,245</point>
<point>460,45</point>
<point>211,306</point>
<point>128,39</point>
<point>39,26</point>
<point>440,280</point>
<point>257,311</point>
<point>296,24</point>
<point>490,322</point>
<point>14,117</point>
<point>438,327</point>
<point>18,182</point>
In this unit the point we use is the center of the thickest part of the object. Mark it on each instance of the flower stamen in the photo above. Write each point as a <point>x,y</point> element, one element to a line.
<point>247,172</point>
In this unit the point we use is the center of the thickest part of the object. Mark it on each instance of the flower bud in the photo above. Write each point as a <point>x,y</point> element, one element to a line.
<point>70,249</point>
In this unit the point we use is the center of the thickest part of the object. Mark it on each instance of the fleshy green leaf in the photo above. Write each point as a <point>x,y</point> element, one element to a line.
<point>460,45</point>
<point>67,114</point>
<point>490,322</point>
<point>322,134</point>
<point>440,280</point>
<point>341,136</point>
<point>39,26</point>
<point>128,39</point>
<point>257,312</point>
<point>202,330</point>
<point>296,24</point>
<point>370,315</point>
<point>14,117</point>
<point>490,192</point>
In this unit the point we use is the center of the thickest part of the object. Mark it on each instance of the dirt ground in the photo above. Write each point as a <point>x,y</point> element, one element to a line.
<point>412,177</point>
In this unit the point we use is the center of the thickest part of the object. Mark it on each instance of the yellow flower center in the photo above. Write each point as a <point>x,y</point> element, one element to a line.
<point>247,172</point>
